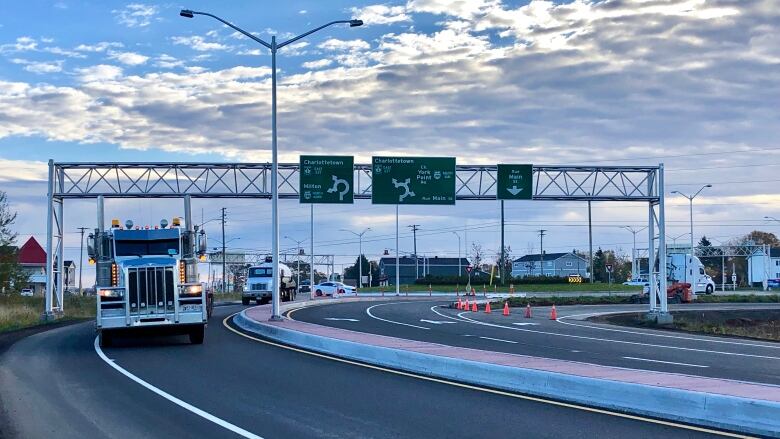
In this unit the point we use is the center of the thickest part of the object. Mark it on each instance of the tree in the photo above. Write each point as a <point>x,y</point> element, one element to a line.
<point>506,262</point>
<point>760,238</point>
<point>353,272</point>
<point>704,242</point>
<point>477,254</point>
<point>597,271</point>
<point>12,276</point>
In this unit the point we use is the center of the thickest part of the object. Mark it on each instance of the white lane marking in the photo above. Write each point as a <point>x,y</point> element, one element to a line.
<point>651,333</point>
<point>498,339</point>
<point>368,311</point>
<point>436,322</point>
<point>664,362</point>
<point>582,337</point>
<point>433,308</point>
<point>340,319</point>
<point>186,406</point>
<point>525,324</point>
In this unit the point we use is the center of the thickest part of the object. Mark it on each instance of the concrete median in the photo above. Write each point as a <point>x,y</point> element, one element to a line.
<point>744,407</point>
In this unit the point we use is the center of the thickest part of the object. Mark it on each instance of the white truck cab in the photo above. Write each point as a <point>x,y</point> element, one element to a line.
<point>259,281</point>
<point>689,268</point>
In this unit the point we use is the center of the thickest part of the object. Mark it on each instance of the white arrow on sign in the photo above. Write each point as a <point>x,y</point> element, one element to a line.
<point>436,322</point>
<point>341,319</point>
<point>514,190</point>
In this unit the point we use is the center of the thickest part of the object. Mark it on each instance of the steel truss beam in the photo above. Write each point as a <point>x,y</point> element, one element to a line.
<point>253,180</point>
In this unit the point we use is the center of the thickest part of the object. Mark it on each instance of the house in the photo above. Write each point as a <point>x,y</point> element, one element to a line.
<point>550,264</point>
<point>32,259</point>
<point>433,266</point>
<point>759,269</point>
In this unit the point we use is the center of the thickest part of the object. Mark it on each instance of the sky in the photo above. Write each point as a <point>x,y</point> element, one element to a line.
<point>692,84</point>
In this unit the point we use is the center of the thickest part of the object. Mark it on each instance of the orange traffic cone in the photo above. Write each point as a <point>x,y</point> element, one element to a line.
<point>474,306</point>
<point>528,311</point>
<point>473,292</point>
<point>487,308</point>
<point>553,313</point>
<point>466,305</point>
<point>506,308</point>
<point>458,304</point>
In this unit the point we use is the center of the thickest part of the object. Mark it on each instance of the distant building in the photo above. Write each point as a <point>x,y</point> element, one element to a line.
<point>758,268</point>
<point>434,266</point>
<point>32,259</point>
<point>550,264</point>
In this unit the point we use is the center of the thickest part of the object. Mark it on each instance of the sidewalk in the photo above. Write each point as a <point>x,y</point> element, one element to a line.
<point>734,405</point>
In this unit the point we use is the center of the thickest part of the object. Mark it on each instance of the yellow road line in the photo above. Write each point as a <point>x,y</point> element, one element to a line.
<point>486,390</point>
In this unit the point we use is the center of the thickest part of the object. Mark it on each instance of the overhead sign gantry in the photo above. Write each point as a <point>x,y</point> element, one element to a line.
<point>253,180</point>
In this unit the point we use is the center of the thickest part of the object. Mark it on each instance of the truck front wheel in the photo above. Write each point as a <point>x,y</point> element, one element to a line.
<point>104,339</point>
<point>709,289</point>
<point>197,334</point>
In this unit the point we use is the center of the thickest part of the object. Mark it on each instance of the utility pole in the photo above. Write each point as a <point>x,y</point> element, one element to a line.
<point>541,250</point>
<point>590,241</point>
<point>224,249</point>
<point>81,257</point>
<point>502,269</point>
<point>415,228</point>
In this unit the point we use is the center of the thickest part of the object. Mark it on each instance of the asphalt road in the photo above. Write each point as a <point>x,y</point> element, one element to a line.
<point>54,384</point>
<point>567,339</point>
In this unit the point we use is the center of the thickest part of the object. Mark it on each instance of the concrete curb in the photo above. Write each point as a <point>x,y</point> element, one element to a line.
<point>713,410</point>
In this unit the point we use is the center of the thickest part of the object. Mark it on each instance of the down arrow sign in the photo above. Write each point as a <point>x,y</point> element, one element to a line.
<point>514,190</point>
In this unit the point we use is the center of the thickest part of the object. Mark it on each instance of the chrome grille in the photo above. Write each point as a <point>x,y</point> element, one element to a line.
<point>150,290</point>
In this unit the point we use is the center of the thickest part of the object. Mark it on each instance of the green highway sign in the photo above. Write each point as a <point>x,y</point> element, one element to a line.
<point>514,182</point>
<point>326,179</point>
<point>413,180</point>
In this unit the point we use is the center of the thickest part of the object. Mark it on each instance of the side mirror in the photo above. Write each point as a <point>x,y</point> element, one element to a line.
<point>91,246</point>
<point>202,242</point>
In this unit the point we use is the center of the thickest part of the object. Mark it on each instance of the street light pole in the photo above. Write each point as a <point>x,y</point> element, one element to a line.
<point>360,256</point>
<point>634,266</point>
<point>273,47</point>
<point>460,272</point>
<point>297,261</point>
<point>81,257</point>
<point>690,208</point>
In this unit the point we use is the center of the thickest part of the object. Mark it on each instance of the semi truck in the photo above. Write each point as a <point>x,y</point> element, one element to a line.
<point>259,283</point>
<point>686,268</point>
<point>147,280</point>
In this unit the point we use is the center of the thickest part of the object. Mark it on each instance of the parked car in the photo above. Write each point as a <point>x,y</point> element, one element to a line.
<point>773,283</point>
<point>305,287</point>
<point>27,292</point>
<point>335,289</point>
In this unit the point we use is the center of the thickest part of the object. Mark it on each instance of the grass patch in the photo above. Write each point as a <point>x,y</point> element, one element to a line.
<point>18,312</point>
<point>524,288</point>
<point>757,324</point>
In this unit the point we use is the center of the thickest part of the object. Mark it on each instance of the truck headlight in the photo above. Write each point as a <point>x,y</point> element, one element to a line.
<point>191,290</point>
<point>111,293</point>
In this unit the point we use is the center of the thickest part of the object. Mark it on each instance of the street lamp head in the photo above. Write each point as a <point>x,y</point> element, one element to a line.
<point>186,13</point>
<point>675,192</point>
<point>352,23</point>
<point>709,185</point>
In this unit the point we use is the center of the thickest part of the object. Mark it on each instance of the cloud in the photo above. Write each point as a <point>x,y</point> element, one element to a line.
<point>99,73</point>
<point>303,11</point>
<point>128,58</point>
<point>343,45</point>
<point>199,43</point>
<point>39,67</point>
<point>136,15</point>
<point>23,170</point>
<point>166,61</point>
<point>99,47</point>
<point>319,64</point>
<point>381,14</point>
<point>22,44</point>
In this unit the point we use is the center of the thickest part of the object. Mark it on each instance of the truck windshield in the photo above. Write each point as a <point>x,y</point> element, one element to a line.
<point>147,247</point>
<point>260,272</point>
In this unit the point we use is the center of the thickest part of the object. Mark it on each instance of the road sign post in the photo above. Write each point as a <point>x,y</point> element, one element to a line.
<point>514,182</point>
<point>413,180</point>
<point>326,179</point>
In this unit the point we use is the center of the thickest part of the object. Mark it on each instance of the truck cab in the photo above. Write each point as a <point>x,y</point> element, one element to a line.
<point>259,283</point>
<point>147,280</point>
<point>686,268</point>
